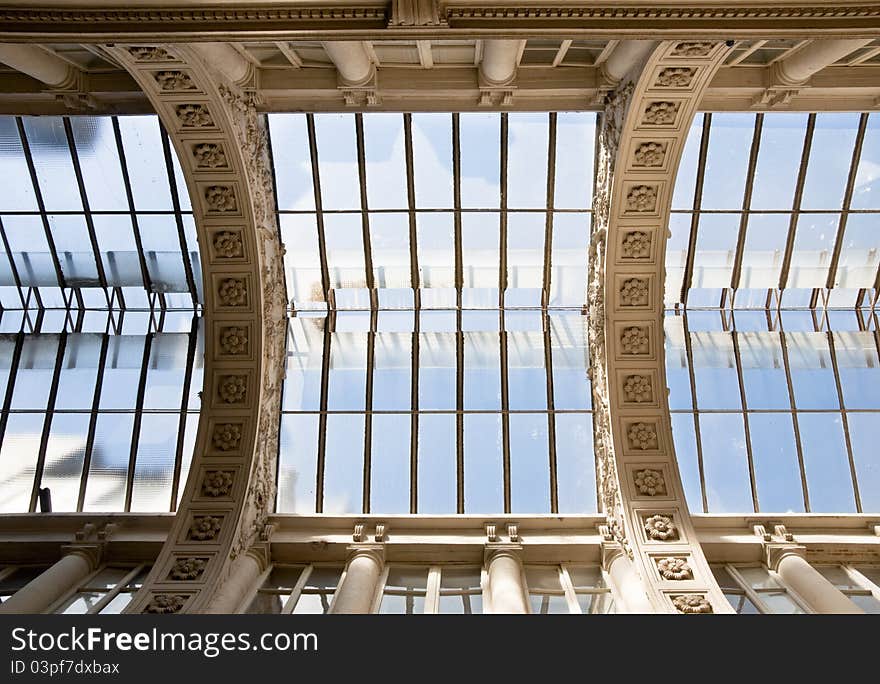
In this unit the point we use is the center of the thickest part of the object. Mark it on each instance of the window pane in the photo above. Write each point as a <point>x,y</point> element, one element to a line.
<point>730,139</point>
<point>726,464</point>
<point>575,463</point>
<point>529,467</point>
<point>480,136</point>
<point>390,464</point>
<point>384,152</point>
<point>297,463</point>
<point>483,469</point>
<point>828,477</point>
<point>344,464</point>
<point>864,431</point>
<point>437,469</point>
<point>777,475</point>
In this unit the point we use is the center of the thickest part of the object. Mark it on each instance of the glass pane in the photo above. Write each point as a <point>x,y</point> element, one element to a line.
<point>389,244</point>
<point>758,577</point>
<point>864,432</point>
<point>813,245</point>
<point>586,577</point>
<point>337,161</point>
<point>859,369</point>
<point>13,168</point>
<point>348,371</point>
<point>384,152</point>
<point>437,464</point>
<point>480,136</point>
<point>728,488</point>
<point>527,160</point>
<point>483,469</point>
<point>730,139</point>
<point>684,436</point>
<point>575,463</point>
<point>146,163</point>
<point>780,602</point>
<point>305,349</point>
<point>812,374</point>
<point>837,576</point>
<point>293,168</point>
<point>432,160</point>
<point>715,373</point>
<point>268,604</point>
<point>527,374</point>
<point>297,463</point>
<point>390,464</point>
<point>869,604</point>
<point>543,578</point>
<point>51,155</point>
<point>764,248</point>
<point>830,159</point>
<point>18,458</point>
<point>542,604</point>
<point>105,487</point>
<point>568,264</point>
<point>575,143</point>
<point>65,452</point>
<point>829,480</point>
<point>742,604</point>
<point>282,577</point>
<point>107,578</point>
<point>866,194</point>
<point>779,158</point>
<point>763,369</point>
<point>302,265</point>
<point>154,467</point>
<point>344,464</point>
<point>80,603</point>
<point>777,475</point>
<point>529,466</point>
<point>437,374</point>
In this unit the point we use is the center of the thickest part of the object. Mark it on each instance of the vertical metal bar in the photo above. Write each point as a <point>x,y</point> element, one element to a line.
<point>145,273</point>
<point>545,319</point>
<point>414,415</point>
<point>695,215</point>
<point>319,208</point>
<point>368,408</point>
<point>847,200</point>
<point>138,416</point>
<point>178,217</point>
<point>38,194</point>
<point>459,334</point>
<point>747,203</point>
<point>93,422</point>
<point>551,413</point>
<point>322,417</point>
<point>417,299</point>
<point>796,202</point>
<point>184,405</point>
<point>411,202</point>
<point>502,333</point>
<point>47,422</point>
<point>694,405</point>
<point>794,418</point>
<point>742,395</point>
<point>502,232</point>
<point>84,198</point>
<point>548,225</point>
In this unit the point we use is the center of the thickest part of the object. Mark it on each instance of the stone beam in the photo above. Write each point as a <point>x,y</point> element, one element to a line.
<point>40,64</point>
<point>798,67</point>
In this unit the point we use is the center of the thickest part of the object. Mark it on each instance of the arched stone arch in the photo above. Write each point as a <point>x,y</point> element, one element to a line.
<point>222,146</point>
<point>645,126</point>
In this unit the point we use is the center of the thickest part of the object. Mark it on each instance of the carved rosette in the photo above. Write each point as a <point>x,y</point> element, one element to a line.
<point>217,131</point>
<point>641,140</point>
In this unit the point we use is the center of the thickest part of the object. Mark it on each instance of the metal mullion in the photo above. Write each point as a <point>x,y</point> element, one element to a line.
<point>551,414</point>
<point>551,198</point>
<point>845,420</point>
<point>459,412</point>
<point>322,417</point>
<point>84,198</point>
<point>93,422</point>
<point>184,404</point>
<point>695,213</point>
<point>47,422</point>
<point>411,207</point>
<point>796,202</point>
<point>10,384</point>
<point>689,352</point>
<point>847,200</point>
<point>138,416</point>
<point>178,217</point>
<point>114,592</point>
<point>365,217</point>
<point>368,406</point>
<point>747,202</point>
<point>414,416</point>
<point>502,230</point>
<point>145,273</point>
<point>319,208</point>
<point>38,195</point>
<point>456,194</point>
<point>794,419</point>
<point>745,414</point>
<point>505,407</point>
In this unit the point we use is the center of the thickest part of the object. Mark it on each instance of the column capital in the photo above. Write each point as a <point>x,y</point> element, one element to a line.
<point>492,551</point>
<point>92,553</point>
<point>374,551</point>
<point>610,552</point>
<point>774,553</point>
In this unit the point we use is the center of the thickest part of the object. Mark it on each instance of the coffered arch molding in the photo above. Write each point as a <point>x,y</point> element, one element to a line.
<point>222,146</point>
<point>645,126</point>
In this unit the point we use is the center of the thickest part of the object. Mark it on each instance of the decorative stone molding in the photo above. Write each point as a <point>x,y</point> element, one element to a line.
<point>234,340</point>
<point>226,436</point>
<point>415,13</point>
<point>233,292</point>
<point>148,53</point>
<point>692,604</point>
<point>637,389</point>
<point>204,528</point>
<point>359,535</point>
<point>642,436</point>
<point>164,604</point>
<point>217,483</point>
<point>660,113</point>
<point>650,154</point>
<point>675,77</point>
<point>692,49</point>
<point>634,340</point>
<point>650,482</point>
<point>674,568</point>
<point>210,156</point>
<point>194,116</point>
<point>660,528</point>
<point>227,244</point>
<point>634,292</point>
<point>220,198</point>
<point>174,81</point>
<point>233,388</point>
<point>642,198</point>
<point>187,569</point>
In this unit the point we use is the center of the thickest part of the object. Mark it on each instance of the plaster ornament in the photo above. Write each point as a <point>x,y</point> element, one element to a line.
<point>650,482</point>
<point>692,49</point>
<point>233,388</point>
<point>642,436</point>
<point>660,528</point>
<point>637,388</point>
<point>641,198</point>
<point>193,116</point>
<point>634,340</point>
<point>692,604</point>
<point>220,198</point>
<point>227,244</point>
<point>217,483</point>
<point>210,156</point>
<point>649,154</point>
<point>660,113</point>
<point>162,604</point>
<point>188,569</point>
<point>675,77</point>
<point>145,53</point>
<point>636,245</point>
<point>204,527</point>
<point>634,292</point>
<point>233,340</point>
<point>174,81</point>
<point>232,292</point>
<point>675,569</point>
<point>226,437</point>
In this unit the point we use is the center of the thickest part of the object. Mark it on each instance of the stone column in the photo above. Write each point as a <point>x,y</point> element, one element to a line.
<point>243,575</point>
<point>498,66</point>
<point>225,58</point>
<point>351,60</point>
<point>814,57</point>
<point>507,594</point>
<point>626,55</point>
<point>39,64</point>
<point>626,580</point>
<point>820,594</point>
<point>358,588</point>
<point>42,591</point>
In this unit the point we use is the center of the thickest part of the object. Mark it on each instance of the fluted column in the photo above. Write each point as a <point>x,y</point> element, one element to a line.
<point>351,60</point>
<point>498,66</point>
<point>45,589</point>
<point>626,55</point>
<point>358,588</point>
<point>814,57</point>
<point>627,581</point>
<point>225,58</point>
<point>243,575</point>
<point>821,595</point>
<point>507,594</point>
<point>39,64</point>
